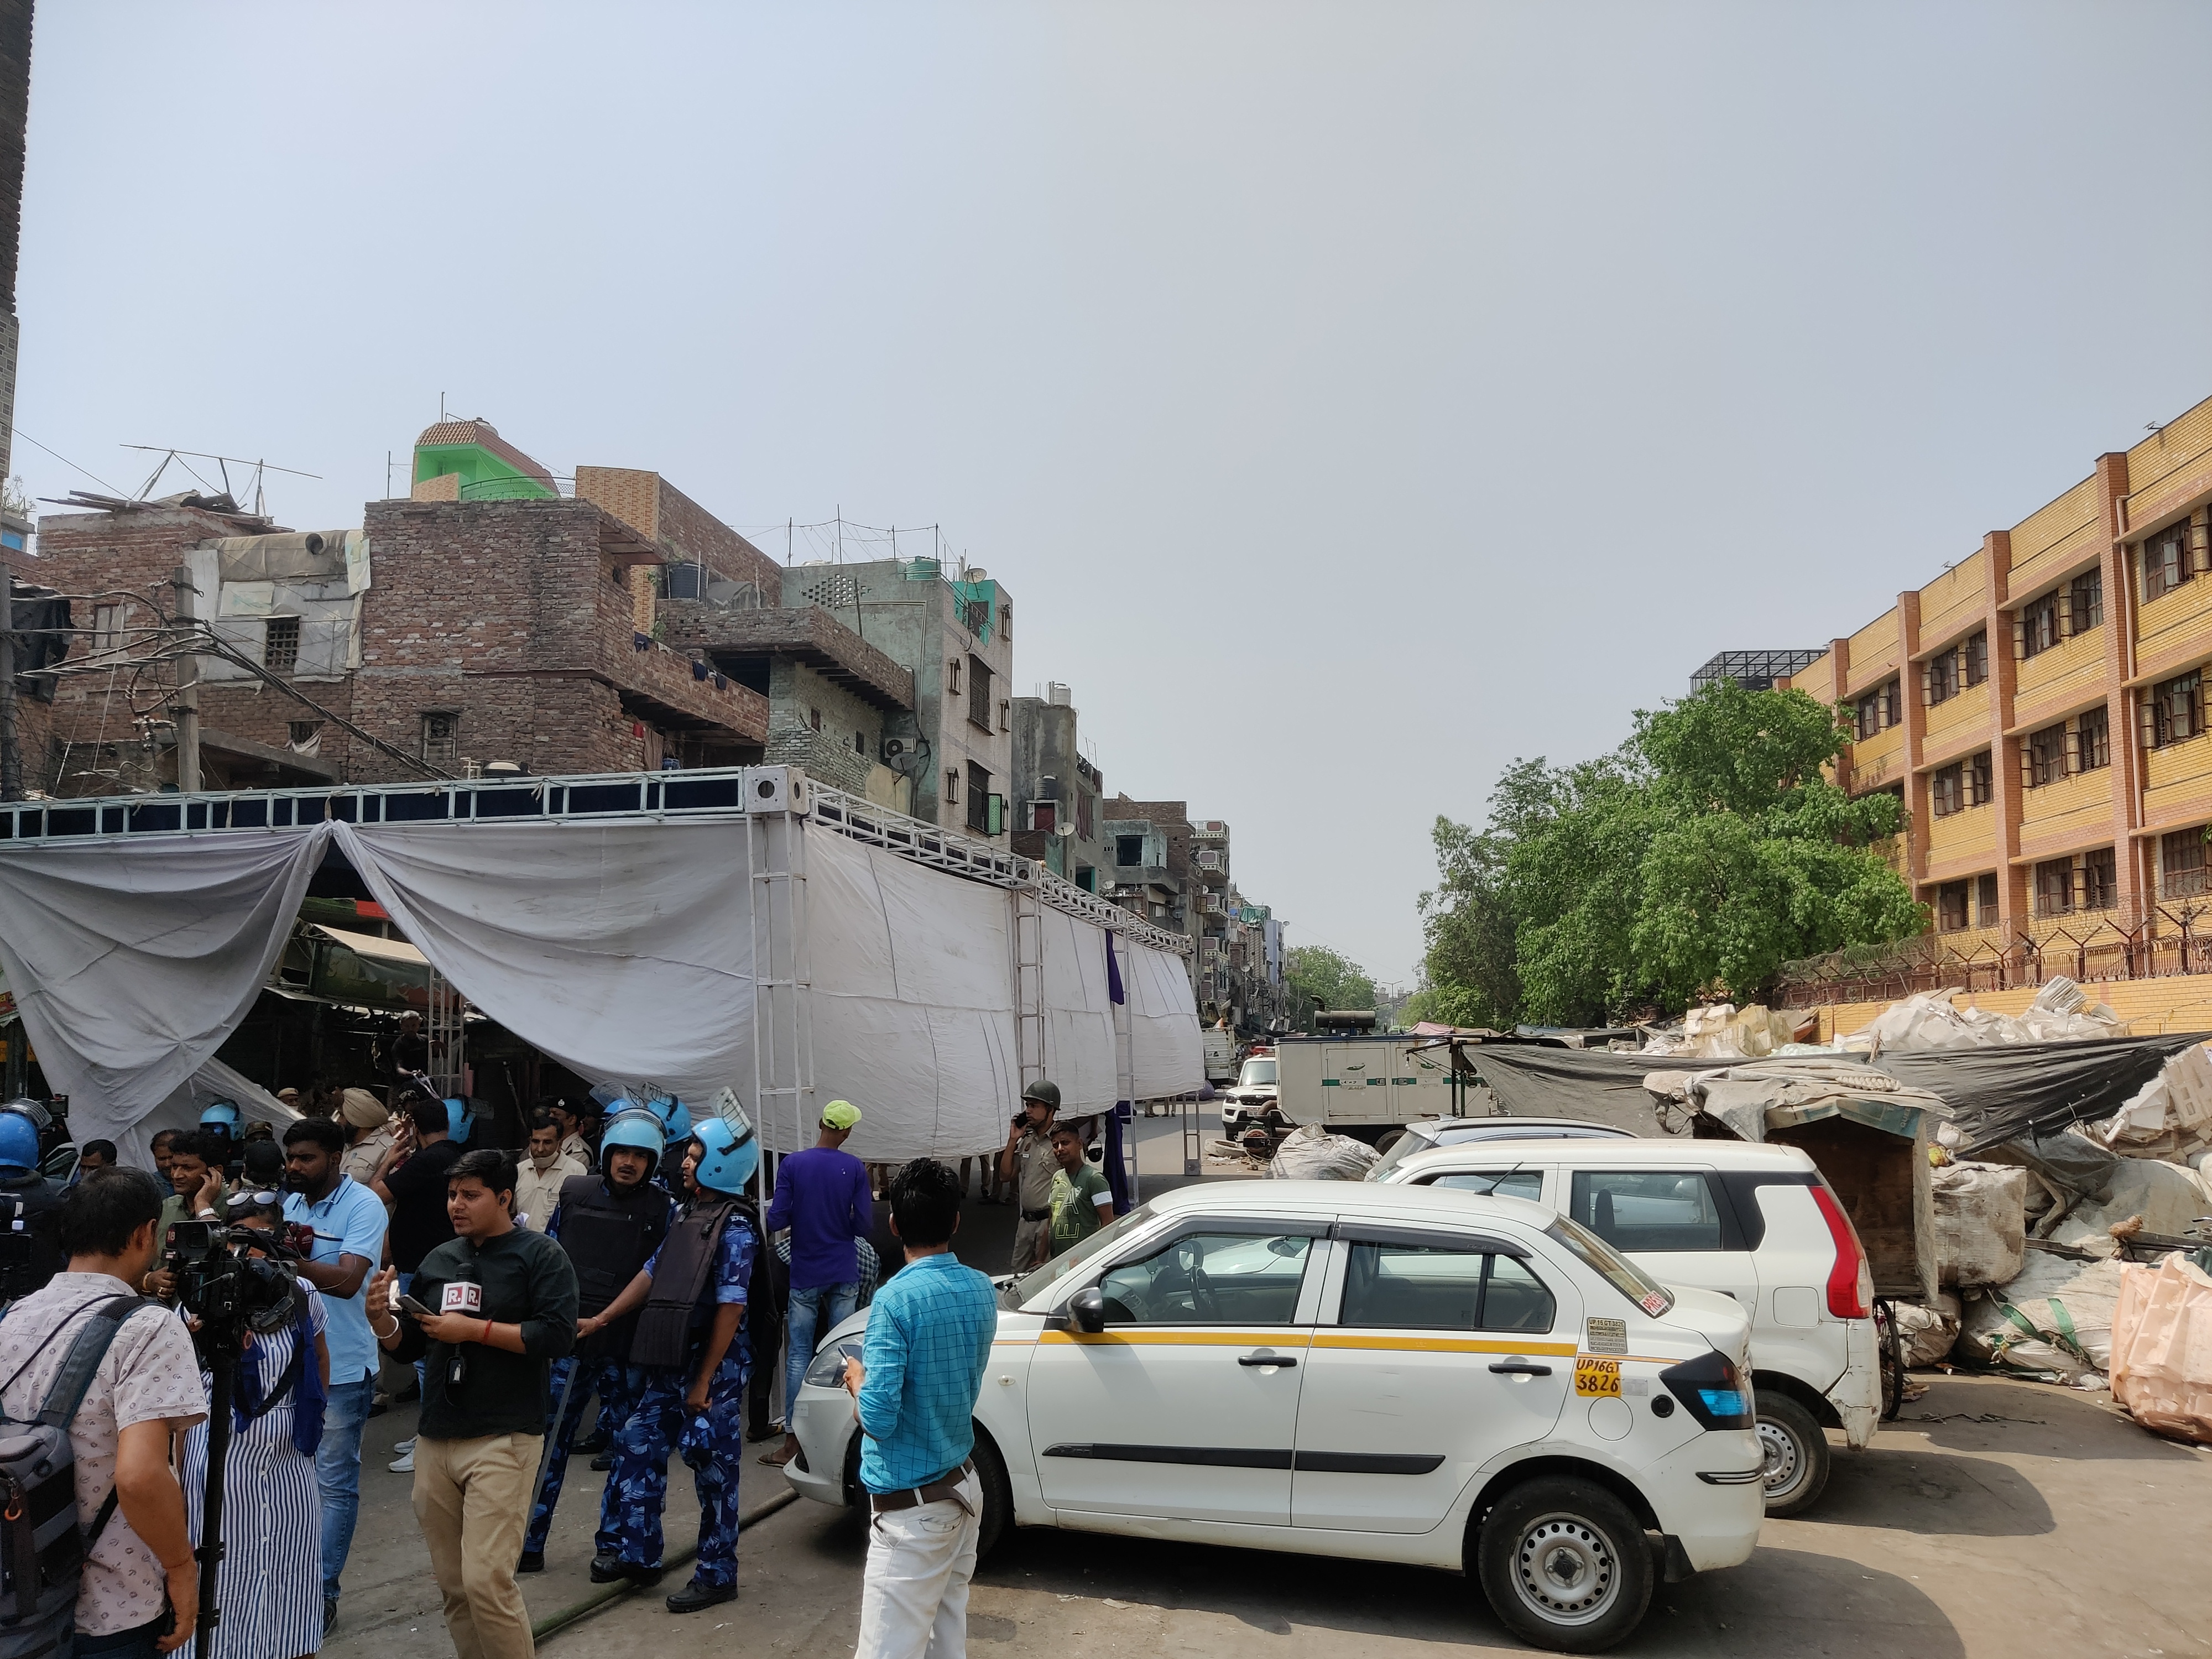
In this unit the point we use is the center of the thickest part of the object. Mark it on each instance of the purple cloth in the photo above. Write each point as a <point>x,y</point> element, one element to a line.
<point>822,1195</point>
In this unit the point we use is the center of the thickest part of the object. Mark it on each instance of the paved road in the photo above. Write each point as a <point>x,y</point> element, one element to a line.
<point>2000,1519</point>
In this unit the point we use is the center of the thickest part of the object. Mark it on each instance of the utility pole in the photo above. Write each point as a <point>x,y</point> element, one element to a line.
<point>15,122</point>
<point>188,690</point>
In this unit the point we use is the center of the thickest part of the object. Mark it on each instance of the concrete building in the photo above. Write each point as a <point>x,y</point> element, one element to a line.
<point>2041,709</point>
<point>1055,790</point>
<point>1174,870</point>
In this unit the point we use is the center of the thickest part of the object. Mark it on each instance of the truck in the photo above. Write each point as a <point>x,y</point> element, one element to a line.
<point>1220,1054</point>
<point>1370,1086</point>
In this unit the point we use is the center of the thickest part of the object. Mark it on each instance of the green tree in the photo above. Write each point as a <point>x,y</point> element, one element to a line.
<point>1706,851</point>
<point>1329,980</point>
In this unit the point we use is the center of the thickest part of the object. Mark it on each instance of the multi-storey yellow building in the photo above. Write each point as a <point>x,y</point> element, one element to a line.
<point>2041,709</point>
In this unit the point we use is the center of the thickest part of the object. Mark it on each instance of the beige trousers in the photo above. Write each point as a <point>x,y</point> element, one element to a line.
<point>472,1500</point>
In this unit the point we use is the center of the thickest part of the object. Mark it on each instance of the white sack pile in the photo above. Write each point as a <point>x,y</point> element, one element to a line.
<point>2170,1117</point>
<point>1725,1032</point>
<point>2060,1014</point>
<point>1310,1152</point>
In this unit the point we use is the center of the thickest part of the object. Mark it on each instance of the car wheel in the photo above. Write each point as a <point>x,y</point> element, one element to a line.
<point>1796,1454</point>
<point>1385,1142</point>
<point>998,1496</point>
<point>1565,1564</point>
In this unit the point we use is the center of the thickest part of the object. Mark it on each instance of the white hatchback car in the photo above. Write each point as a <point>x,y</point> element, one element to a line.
<point>1756,1223</point>
<point>1381,1373</point>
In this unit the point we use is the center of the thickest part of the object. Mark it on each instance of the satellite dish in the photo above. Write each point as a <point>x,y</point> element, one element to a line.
<point>1063,829</point>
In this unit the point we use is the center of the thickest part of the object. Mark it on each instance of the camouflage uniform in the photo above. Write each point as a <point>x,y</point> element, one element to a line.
<point>712,1442</point>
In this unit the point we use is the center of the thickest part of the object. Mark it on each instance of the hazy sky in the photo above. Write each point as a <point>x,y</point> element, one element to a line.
<point>1352,397</point>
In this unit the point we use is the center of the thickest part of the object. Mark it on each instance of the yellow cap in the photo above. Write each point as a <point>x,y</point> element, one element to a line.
<point>840,1114</point>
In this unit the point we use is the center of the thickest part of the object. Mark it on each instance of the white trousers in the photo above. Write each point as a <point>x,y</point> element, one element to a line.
<point>914,1595</point>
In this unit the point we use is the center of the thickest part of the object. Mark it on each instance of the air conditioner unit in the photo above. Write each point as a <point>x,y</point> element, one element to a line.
<point>775,789</point>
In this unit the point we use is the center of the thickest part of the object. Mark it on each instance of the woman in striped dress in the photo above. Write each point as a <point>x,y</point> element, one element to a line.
<point>271,1586</point>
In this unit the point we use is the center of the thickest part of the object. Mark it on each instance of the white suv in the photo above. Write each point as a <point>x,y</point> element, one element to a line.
<point>1376,1373</point>
<point>1756,1223</point>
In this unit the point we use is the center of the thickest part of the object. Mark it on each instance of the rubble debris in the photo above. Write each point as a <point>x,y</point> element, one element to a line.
<point>2170,1117</point>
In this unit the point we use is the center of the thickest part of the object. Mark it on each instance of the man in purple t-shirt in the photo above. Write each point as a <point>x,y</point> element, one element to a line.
<point>822,1195</point>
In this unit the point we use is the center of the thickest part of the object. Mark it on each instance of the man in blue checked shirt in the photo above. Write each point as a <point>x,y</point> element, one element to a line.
<point>914,1386</point>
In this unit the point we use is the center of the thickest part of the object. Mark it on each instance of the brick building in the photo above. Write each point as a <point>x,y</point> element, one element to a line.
<point>1055,790</point>
<point>2039,707</point>
<point>1174,870</point>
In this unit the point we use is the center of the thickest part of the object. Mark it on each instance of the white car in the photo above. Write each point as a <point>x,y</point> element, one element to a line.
<point>1379,1373</point>
<point>1756,1223</point>
<point>1254,1091</point>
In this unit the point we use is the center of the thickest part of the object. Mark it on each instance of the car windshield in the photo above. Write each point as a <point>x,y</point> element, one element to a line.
<point>1416,1139</point>
<point>1616,1269</point>
<point>1029,1286</point>
<point>1255,1073</point>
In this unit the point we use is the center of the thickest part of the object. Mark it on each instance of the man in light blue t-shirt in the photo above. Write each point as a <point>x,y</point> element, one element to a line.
<point>349,1222</point>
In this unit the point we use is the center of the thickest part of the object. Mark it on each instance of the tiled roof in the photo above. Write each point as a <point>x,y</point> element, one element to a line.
<point>485,436</point>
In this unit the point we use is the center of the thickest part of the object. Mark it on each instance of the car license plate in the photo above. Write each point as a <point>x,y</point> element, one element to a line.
<point>1596,1377</point>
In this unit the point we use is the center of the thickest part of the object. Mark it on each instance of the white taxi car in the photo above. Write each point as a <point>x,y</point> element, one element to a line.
<point>1387,1373</point>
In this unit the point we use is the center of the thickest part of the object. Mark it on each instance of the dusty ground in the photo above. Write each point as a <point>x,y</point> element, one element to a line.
<point>2001,1519</point>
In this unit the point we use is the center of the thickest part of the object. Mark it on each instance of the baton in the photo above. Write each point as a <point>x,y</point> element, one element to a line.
<point>560,1416</point>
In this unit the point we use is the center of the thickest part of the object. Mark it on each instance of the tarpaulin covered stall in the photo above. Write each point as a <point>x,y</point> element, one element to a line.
<point>795,968</point>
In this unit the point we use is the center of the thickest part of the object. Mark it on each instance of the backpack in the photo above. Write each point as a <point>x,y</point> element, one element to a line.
<point>42,1551</point>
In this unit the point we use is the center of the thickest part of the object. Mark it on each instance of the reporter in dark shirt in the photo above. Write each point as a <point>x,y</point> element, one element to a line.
<point>502,1302</point>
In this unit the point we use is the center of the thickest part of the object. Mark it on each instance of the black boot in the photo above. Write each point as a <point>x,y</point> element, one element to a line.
<point>604,1462</point>
<point>696,1597</point>
<point>531,1561</point>
<point>606,1569</point>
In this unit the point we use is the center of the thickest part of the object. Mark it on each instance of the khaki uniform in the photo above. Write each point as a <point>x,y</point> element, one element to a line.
<point>1034,1168</point>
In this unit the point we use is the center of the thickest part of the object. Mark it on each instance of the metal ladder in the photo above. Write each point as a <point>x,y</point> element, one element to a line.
<point>1029,984</point>
<point>783,1104</point>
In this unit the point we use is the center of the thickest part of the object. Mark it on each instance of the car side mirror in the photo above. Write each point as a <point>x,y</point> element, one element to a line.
<point>1086,1311</point>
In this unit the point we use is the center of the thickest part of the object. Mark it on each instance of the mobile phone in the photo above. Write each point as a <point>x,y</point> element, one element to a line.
<point>403,1300</point>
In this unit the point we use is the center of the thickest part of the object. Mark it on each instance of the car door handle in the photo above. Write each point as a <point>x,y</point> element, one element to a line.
<point>1520,1368</point>
<point>1266,1359</point>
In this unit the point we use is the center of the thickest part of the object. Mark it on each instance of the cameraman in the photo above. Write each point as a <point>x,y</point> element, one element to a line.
<point>502,1302</point>
<point>140,1580</point>
<point>349,1222</point>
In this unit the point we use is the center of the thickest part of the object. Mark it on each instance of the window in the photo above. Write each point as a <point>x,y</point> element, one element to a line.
<point>2093,739</point>
<point>2181,864</point>
<point>1006,620</point>
<point>305,737</point>
<point>859,743</point>
<point>1210,1278</point>
<point>2165,562</point>
<point>976,615</point>
<point>1946,792</point>
<point>1083,804</point>
<point>441,736</point>
<point>1981,779</point>
<point>1647,1209</point>
<point>1951,907</point>
<point>979,798</point>
<point>2100,880</point>
<point>1942,677</point>
<point>1043,814</point>
<point>814,719</point>
<point>978,693</point>
<point>2054,887</point>
<point>1005,714</point>
<point>1975,653</point>
<point>2084,602</point>
<point>952,785</point>
<point>107,628</point>
<point>1878,710</point>
<point>1129,850</point>
<point>952,677</point>
<point>2174,711</point>
<point>280,644</point>
<point>1505,1183</point>
<point>2044,752</point>
<point>1440,1288</point>
<point>2035,630</point>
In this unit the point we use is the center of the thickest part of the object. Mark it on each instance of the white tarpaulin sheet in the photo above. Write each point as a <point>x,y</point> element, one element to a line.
<point>1166,1053</point>
<point>623,951</point>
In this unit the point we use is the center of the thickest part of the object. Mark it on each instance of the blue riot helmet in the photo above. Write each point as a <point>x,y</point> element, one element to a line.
<point>220,1117</point>
<point>675,1116</point>
<point>19,1137</point>
<point>632,1126</point>
<point>462,1115</point>
<point>728,1157</point>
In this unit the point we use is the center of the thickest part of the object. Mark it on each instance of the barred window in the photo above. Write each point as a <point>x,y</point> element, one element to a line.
<point>441,736</point>
<point>280,644</point>
<point>2165,562</point>
<point>2181,864</point>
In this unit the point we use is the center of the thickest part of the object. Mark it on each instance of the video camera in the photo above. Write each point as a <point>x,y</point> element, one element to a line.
<point>223,1286</point>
